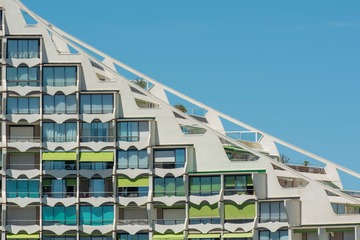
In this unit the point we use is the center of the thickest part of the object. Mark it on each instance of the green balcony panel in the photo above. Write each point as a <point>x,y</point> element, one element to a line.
<point>46,182</point>
<point>209,235</point>
<point>23,236</point>
<point>59,156</point>
<point>142,181</point>
<point>204,210</point>
<point>168,237</point>
<point>71,182</point>
<point>238,235</point>
<point>244,211</point>
<point>97,157</point>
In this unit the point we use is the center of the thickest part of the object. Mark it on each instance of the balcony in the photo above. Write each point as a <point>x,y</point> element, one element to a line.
<point>23,137</point>
<point>133,133</point>
<point>133,220</point>
<point>59,169</point>
<point>169,161</point>
<point>27,164</point>
<point>138,195</point>
<point>205,225</point>
<point>96,143</point>
<point>307,169</point>
<point>247,136</point>
<point>100,163</point>
<point>163,225</point>
<point>96,191</point>
<point>22,219</point>
<point>62,78</point>
<point>55,191</point>
<point>233,224</point>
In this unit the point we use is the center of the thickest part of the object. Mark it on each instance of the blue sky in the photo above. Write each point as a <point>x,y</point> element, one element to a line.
<point>289,68</point>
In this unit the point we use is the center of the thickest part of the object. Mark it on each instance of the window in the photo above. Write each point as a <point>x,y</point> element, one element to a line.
<point>272,212</point>
<point>22,76</point>
<point>132,192</point>
<point>59,165</point>
<point>97,237</point>
<point>96,132</point>
<point>59,76</point>
<point>132,158</point>
<point>96,103</point>
<point>96,165</point>
<point>128,131</point>
<point>240,184</point>
<point>59,103</point>
<point>22,188</point>
<point>59,188</point>
<point>23,48</point>
<point>169,158</point>
<point>169,187</point>
<point>138,236</point>
<point>58,215</point>
<point>62,237</point>
<point>53,132</point>
<point>205,186</point>
<point>23,105</point>
<point>278,235</point>
<point>96,216</point>
<point>132,131</point>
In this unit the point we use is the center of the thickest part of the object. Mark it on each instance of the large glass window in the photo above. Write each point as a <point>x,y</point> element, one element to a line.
<point>22,76</point>
<point>96,216</point>
<point>22,188</point>
<point>239,184</point>
<point>132,131</point>
<point>59,103</point>
<point>169,186</point>
<point>23,48</point>
<point>169,158</point>
<point>272,212</point>
<point>96,132</point>
<point>59,76</point>
<point>138,236</point>
<point>62,237</point>
<point>205,185</point>
<point>278,235</point>
<point>96,237</point>
<point>58,215</point>
<point>96,103</point>
<point>59,188</point>
<point>53,132</point>
<point>23,105</point>
<point>132,158</point>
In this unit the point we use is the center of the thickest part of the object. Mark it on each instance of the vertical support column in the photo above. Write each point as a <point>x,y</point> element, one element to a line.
<point>357,233</point>
<point>322,233</point>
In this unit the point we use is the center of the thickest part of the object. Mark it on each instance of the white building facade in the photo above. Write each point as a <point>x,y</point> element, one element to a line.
<point>89,153</point>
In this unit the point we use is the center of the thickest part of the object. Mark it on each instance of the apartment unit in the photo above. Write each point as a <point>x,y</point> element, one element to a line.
<point>93,150</point>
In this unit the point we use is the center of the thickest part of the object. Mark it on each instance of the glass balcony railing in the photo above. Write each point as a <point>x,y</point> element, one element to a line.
<point>204,221</point>
<point>169,221</point>
<point>93,222</point>
<point>18,194</point>
<point>59,194</point>
<point>205,193</point>
<point>96,165</point>
<point>134,194</point>
<point>246,191</point>
<point>22,222</point>
<point>169,165</point>
<point>249,136</point>
<point>57,223</point>
<point>96,194</point>
<point>132,222</point>
<point>169,193</point>
<point>239,221</point>
<point>97,138</point>
<point>12,139</point>
<point>59,165</point>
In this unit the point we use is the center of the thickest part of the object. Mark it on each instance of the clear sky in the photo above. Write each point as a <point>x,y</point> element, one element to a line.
<point>289,68</point>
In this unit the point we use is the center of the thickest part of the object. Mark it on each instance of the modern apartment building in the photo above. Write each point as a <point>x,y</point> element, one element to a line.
<point>93,150</point>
